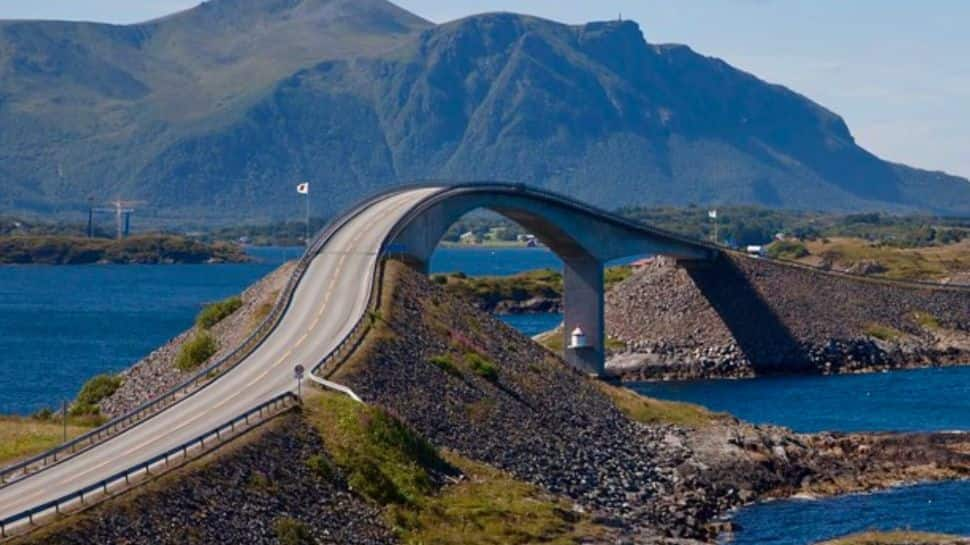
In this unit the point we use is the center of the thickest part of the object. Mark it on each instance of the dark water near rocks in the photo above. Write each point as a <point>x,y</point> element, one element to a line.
<point>943,507</point>
<point>912,400</point>
<point>916,400</point>
<point>61,325</point>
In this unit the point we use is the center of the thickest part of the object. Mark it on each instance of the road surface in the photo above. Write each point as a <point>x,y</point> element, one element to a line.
<point>326,305</point>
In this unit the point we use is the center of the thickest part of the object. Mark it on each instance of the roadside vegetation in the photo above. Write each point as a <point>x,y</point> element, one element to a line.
<point>217,312</point>
<point>654,411</point>
<point>91,394</point>
<point>430,496</point>
<point>196,351</point>
<point>21,437</point>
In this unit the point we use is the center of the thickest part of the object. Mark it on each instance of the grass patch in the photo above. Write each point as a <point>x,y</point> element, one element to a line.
<point>196,351</point>
<point>217,312</point>
<point>894,538</point>
<point>552,340</point>
<point>382,459</point>
<point>923,263</point>
<point>290,531</point>
<point>882,332</point>
<point>615,345</point>
<point>614,275</point>
<point>654,411</point>
<point>446,364</point>
<point>23,437</point>
<point>490,508</point>
<point>786,249</point>
<point>481,366</point>
<point>926,320</point>
<point>93,391</point>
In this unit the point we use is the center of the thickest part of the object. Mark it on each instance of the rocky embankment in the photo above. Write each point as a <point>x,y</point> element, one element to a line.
<point>141,250</point>
<point>258,491</point>
<point>467,382</point>
<point>157,373</point>
<point>742,316</point>
<point>476,388</point>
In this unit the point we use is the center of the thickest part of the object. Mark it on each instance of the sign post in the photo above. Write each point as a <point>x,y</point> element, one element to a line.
<point>298,373</point>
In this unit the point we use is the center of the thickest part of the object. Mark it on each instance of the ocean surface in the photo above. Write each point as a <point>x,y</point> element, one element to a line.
<point>61,325</point>
<point>912,400</point>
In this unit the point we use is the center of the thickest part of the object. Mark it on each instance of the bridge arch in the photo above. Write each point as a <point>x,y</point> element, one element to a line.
<point>584,237</point>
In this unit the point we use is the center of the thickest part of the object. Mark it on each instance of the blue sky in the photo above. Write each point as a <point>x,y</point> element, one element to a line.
<point>897,70</point>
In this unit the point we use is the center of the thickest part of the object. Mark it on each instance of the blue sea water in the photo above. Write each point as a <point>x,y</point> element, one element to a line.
<point>915,400</point>
<point>912,400</point>
<point>61,325</point>
<point>937,507</point>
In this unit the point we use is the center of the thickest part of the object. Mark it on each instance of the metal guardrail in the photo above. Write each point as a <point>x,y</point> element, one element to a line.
<point>222,433</point>
<point>104,432</point>
<point>205,376</point>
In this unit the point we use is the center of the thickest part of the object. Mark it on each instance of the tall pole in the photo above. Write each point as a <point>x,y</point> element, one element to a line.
<point>306,237</point>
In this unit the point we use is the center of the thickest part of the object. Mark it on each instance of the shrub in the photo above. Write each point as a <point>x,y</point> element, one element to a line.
<point>196,351</point>
<point>926,320</point>
<point>290,531</point>
<point>786,249</point>
<point>882,332</point>
<point>481,366</point>
<point>93,392</point>
<point>217,312</point>
<point>321,466</point>
<point>446,364</point>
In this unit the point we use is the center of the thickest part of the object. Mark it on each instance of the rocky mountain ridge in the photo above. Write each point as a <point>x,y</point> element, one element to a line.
<point>214,113</point>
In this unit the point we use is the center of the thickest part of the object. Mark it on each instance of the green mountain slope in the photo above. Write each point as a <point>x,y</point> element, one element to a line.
<point>221,109</point>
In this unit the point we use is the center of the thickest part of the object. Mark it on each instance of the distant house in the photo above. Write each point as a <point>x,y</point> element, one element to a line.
<point>755,250</point>
<point>469,238</point>
<point>529,240</point>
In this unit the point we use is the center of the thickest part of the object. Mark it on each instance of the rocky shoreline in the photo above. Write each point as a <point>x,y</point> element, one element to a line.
<point>546,424</point>
<point>469,384</point>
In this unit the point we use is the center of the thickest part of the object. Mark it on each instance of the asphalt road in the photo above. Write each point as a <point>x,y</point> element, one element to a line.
<point>327,303</point>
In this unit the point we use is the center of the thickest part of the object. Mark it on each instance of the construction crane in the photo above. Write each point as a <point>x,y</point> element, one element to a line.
<point>122,211</point>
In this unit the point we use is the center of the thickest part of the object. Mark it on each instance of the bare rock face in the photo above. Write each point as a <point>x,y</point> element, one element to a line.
<point>742,316</point>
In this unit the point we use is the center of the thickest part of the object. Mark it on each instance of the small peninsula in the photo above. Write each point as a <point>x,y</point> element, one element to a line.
<point>141,250</point>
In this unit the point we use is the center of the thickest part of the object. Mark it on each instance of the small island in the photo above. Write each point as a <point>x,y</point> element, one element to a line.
<point>141,250</point>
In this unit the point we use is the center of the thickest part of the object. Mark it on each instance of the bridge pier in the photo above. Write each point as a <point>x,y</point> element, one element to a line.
<point>583,304</point>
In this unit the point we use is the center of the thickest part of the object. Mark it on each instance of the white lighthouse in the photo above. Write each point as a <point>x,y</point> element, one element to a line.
<point>577,339</point>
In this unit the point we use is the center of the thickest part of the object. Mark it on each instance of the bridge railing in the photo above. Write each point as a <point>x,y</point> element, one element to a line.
<point>194,384</point>
<point>197,445</point>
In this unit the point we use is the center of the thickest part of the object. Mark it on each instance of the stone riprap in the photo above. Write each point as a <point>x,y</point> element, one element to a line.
<point>545,423</point>
<point>743,316</point>
<point>239,497</point>
<point>157,374</point>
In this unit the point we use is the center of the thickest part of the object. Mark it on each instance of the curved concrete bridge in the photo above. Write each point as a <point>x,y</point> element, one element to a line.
<point>584,237</point>
<point>333,294</point>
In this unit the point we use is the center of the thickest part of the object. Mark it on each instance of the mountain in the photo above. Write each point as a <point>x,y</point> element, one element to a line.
<point>216,112</point>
